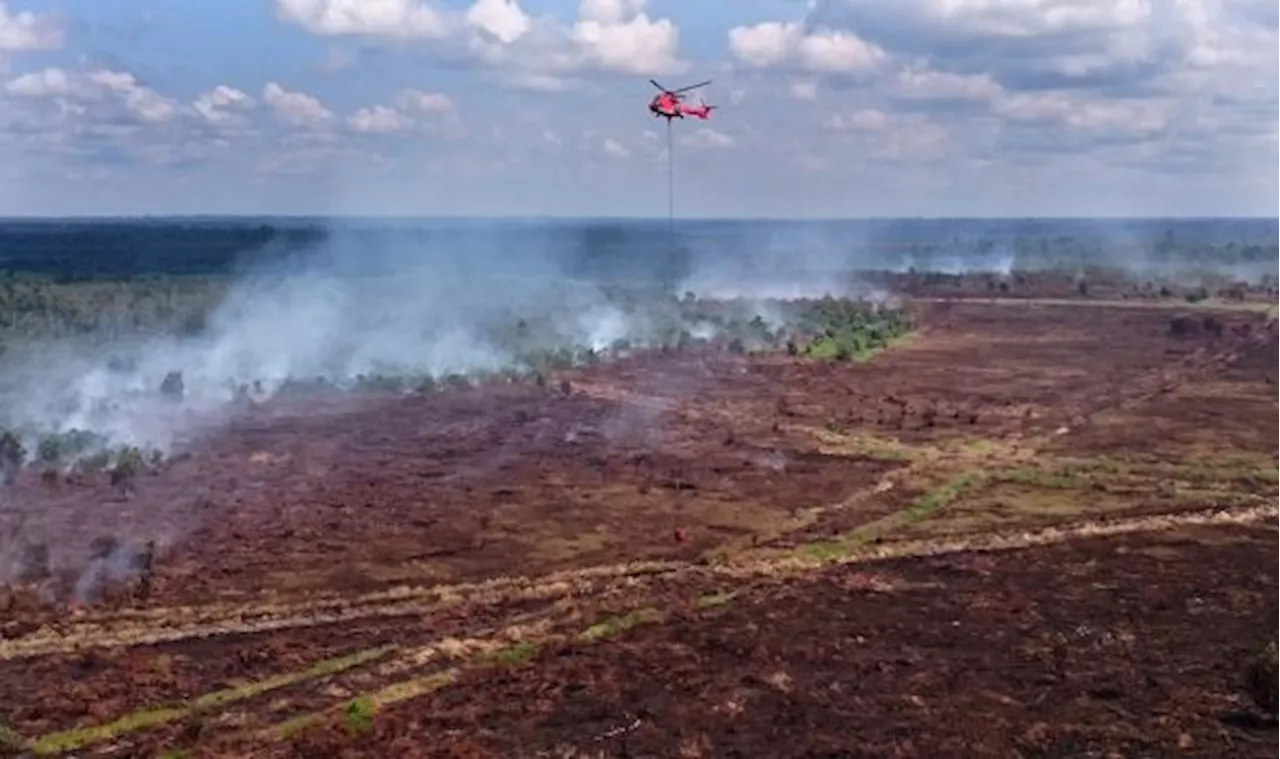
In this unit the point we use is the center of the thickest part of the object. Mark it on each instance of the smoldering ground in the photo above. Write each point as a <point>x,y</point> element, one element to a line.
<point>365,301</point>
<point>360,304</point>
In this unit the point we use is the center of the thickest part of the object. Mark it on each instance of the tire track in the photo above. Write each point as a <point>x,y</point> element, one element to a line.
<point>135,627</point>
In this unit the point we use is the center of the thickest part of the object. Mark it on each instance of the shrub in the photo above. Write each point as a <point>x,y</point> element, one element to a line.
<point>1260,679</point>
<point>172,387</point>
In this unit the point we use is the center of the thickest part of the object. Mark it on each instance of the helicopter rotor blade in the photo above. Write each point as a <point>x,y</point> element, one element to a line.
<point>694,86</point>
<point>655,84</point>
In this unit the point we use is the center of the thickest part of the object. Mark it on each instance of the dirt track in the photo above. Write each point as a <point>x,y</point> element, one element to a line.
<point>1062,651</point>
<point>305,536</point>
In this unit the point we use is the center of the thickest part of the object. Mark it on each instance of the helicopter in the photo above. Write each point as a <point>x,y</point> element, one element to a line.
<point>669,103</point>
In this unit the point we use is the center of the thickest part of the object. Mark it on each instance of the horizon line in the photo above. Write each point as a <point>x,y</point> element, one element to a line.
<point>635,218</point>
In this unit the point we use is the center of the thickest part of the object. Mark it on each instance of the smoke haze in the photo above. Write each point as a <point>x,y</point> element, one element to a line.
<point>341,301</point>
<point>345,299</point>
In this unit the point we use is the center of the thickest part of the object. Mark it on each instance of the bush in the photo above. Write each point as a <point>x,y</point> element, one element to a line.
<point>172,387</point>
<point>129,464</point>
<point>1182,325</point>
<point>12,454</point>
<point>1260,680</point>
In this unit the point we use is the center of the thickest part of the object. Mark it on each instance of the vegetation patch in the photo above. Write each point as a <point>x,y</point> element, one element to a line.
<point>358,714</point>
<point>713,600</point>
<point>922,508</point>
<point>517,653</point>
<point>70,740</point>
<point>835,440</point>
<point>847,331</point>
<point>1041,478</point>
<point>9,737</point>
<point>612,626</point>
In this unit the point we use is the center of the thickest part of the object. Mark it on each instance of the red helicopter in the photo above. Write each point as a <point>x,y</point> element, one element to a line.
<point>668,103</point>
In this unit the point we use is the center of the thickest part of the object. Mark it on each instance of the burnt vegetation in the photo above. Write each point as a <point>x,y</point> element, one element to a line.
<point>664,499</point>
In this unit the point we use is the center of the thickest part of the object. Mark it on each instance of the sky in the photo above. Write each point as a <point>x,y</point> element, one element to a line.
<point>827,108</point>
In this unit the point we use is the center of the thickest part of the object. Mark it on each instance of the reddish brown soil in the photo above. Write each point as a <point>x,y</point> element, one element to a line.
<point>1070,650</point>
<point>360,493</point>
<point>96,685</point>
<point>662,457</point>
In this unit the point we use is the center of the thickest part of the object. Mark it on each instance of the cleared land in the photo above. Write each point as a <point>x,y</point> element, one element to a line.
<point>1030,527</point>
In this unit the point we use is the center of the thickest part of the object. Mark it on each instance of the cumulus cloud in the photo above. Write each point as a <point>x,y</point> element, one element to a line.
<point>1070,75</point>
<point>899,138</point>
<point>378,119</point>
<point>614,148</point>
<point>841,87</point>
<point>919,82</point>
<point>101,120</point>
<point>424,103</point>
<point>111,117</point>
<point>296,108</point>
<point>504,19</point>
<point>224,107</point>
<point>25,31</point>
<point>1036,44</point>
<point>542,53</point>
<point>824,50</point>
<point>617,35</point>
<point>118,92</point>
<point>412,108</point>
<point>395,19</point>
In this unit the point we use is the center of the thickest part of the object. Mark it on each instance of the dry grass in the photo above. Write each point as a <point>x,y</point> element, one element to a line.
<point>71,740</point>
<point>977,494</point>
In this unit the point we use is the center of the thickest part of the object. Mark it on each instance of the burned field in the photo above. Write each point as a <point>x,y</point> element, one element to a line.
<point>1027,527</point>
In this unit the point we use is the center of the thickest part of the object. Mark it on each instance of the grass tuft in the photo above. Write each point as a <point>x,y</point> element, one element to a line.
<point>713,600</point>
<point>615,625</point>
<point>71,740</point>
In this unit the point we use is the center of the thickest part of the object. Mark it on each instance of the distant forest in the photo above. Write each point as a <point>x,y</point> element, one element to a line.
<point>69,250</point>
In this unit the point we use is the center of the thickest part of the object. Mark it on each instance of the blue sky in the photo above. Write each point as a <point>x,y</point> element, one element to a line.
<point>518,107</point>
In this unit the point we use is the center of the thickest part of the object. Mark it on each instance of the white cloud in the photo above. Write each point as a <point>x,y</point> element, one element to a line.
<point>145,103</point>
<point>223,107</point>
<point>424,103</point>
<point>917,81</point>
<point>296,108</point>
<point>1061,109</point>
<point>76,92</point>
<point>25,31</point>
<point>536,53</point>
<point>536,82</point>
<point>46,83</point>
<point>411,109</point>
<point>620,36</point>
<point>610,11</point>
<point>867,120</point>
<point>1065,77</point>
<point>396,19</point>
<point>879,136</point>
<point>805,89</point>
<point>773,44</point>
<point>982,94</point>
<point>1024,18</point>
<point>707,139</point>
<point>378,119</point>
<point>614,148</point>
<point>504,19</point>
